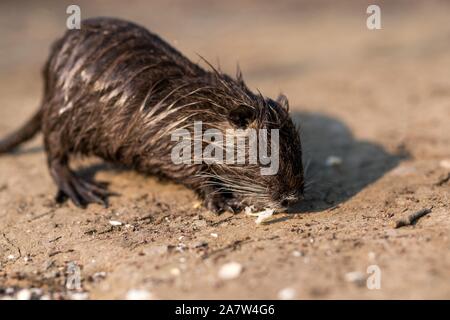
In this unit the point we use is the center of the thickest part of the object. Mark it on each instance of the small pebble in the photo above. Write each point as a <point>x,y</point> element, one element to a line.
<point>197,205</point>
<point>200,244</point>
<point>356,277</point>
<point>9,291</point>
<point>445,164</point>
<point>180,247</point>
<point>24,294</point>
<point>115,223</point>
<point>79,296</point>
<point>175,272</point>
<point>297,253</point>
<point>287,294</point>
<point>214,235</point>
<point>99,276</point>
<point>139,294</point>
<point>333,161</point>
<point>230,271</point>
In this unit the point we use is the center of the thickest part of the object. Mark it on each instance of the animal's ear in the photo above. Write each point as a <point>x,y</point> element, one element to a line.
<point>239,76</point>
<point>283,101</point>
<point>241,116</point>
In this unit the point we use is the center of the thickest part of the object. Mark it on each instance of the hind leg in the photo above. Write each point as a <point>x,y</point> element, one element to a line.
<point>77,189</point>
<point>69,184</point>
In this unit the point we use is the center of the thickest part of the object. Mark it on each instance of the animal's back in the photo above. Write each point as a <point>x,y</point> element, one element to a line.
<point>100,76</point>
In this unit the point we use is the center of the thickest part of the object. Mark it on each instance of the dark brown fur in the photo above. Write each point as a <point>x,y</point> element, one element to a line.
<point>115,90</point>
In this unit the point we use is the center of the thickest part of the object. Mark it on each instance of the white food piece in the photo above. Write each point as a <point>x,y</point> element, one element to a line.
<point>261,216</point>
<point>139,294</point>
<point>287,294</point>
<point>264,215</point>
<point>230,271</point>
<point>249,210</point>
<point>115,223</point>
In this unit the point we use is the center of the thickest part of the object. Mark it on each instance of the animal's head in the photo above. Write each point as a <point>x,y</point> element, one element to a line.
<point>275,178</point>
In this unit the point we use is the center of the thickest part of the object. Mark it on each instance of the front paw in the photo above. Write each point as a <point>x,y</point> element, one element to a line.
<point>219,203</point>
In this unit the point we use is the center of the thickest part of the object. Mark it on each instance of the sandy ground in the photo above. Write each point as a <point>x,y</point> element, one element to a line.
<point>379,100</point>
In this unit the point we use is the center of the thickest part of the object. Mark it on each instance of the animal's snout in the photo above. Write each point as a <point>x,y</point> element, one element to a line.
<point>290,200</point>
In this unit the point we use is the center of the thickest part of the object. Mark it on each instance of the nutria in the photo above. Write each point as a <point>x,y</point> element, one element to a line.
<point>116,91</point>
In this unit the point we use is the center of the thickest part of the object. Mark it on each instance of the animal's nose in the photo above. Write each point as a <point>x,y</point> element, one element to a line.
<point>290,200</point>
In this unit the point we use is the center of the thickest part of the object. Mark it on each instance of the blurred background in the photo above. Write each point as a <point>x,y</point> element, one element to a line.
<point>377,99</point>
<point>319,53</point>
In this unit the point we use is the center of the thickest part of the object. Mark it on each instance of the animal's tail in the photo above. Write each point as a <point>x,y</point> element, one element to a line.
<point>26,132</point>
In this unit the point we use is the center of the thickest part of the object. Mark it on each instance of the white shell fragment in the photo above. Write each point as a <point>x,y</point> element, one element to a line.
<point>115,223</point>
<point>230,271</point>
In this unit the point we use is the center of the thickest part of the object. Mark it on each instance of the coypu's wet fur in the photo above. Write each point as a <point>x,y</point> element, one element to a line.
<point>116,91</point>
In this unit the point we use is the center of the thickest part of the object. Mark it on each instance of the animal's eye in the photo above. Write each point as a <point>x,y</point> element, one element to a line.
<point>241,116</point>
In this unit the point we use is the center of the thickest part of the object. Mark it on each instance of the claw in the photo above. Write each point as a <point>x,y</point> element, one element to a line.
<point>80,191</point>
<point>220,203</point>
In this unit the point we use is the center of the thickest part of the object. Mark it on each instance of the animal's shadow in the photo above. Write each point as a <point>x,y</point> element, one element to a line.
<point>338,165</point>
